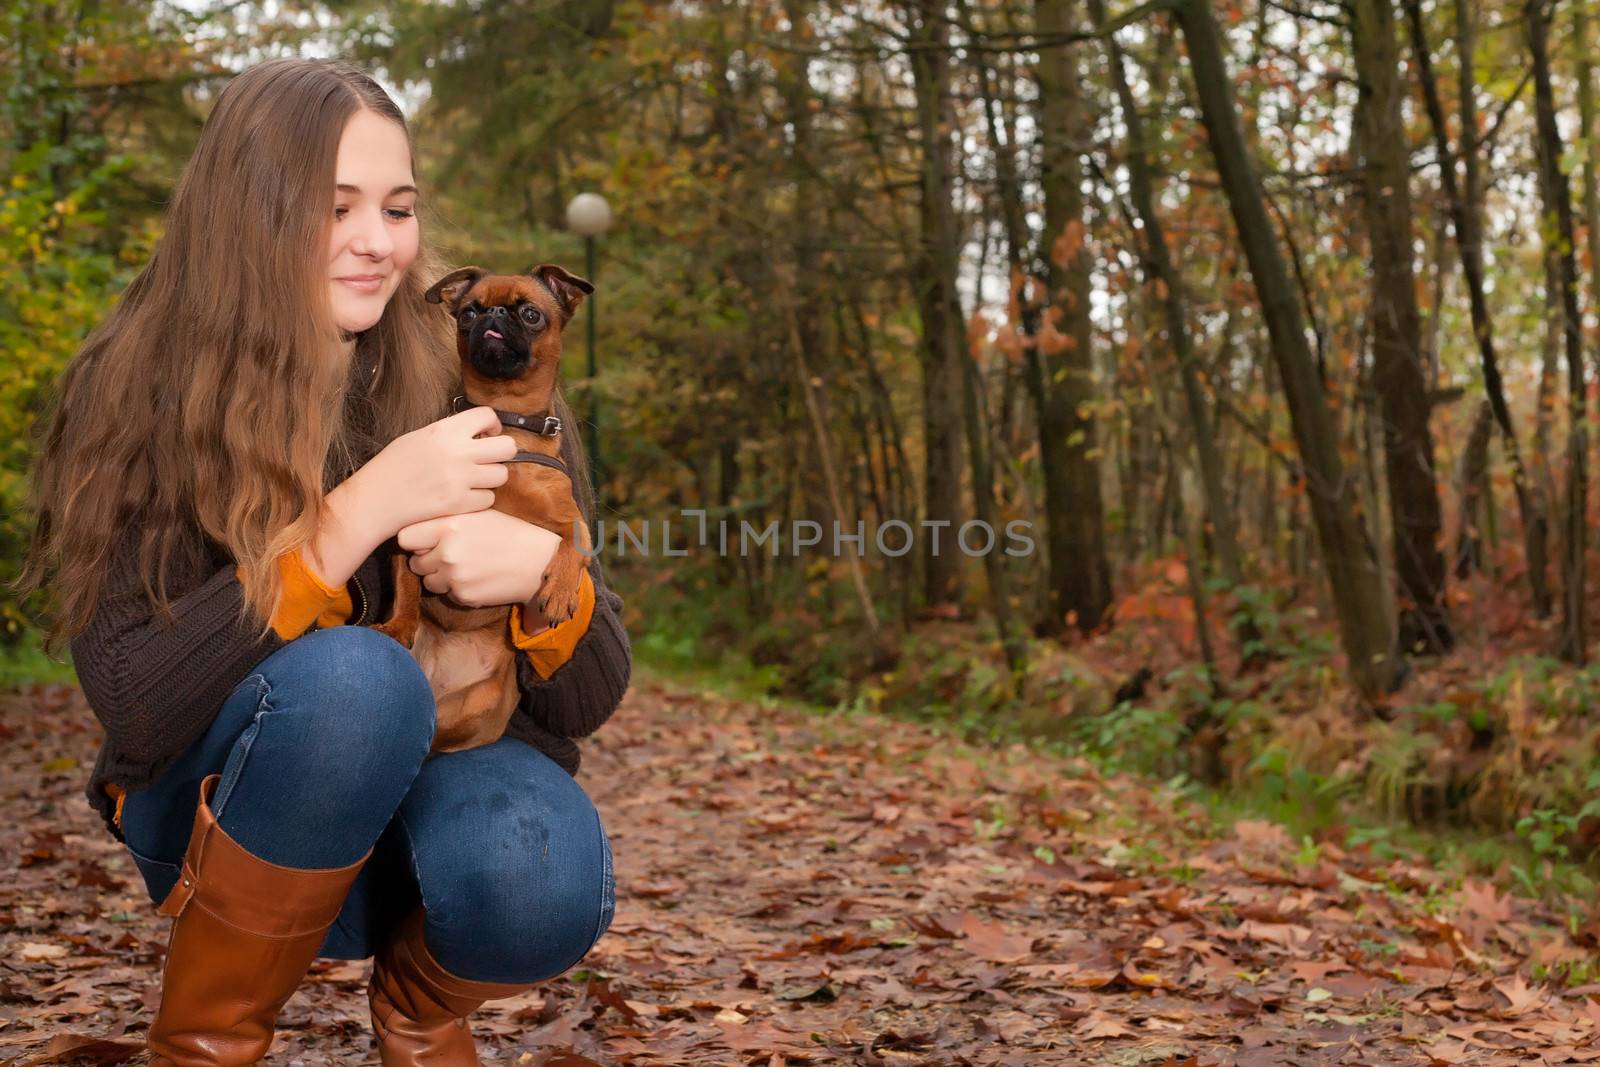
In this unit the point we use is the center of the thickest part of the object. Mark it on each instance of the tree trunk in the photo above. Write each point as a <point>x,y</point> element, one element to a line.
<point>1591,158</point>
<point>1163,278</point>
<point>1397,334</point>
<point>934,273</point>
<point>1472,485</point>
<point>802,305</point>
<point>897,475</point>
<point>1013,642</point>
<point>1558,228</point>
<point>793,83</point>
<point>1376,668</point>
<point>1464,217</point>
<point>1061,367</point>
<point>1444,266</point>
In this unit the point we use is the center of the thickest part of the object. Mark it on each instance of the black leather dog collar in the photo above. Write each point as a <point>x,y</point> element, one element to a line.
<point>539,422</point>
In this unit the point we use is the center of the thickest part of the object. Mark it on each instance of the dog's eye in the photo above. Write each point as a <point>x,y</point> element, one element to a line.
<point>530,315</point>
<point>467,315</point>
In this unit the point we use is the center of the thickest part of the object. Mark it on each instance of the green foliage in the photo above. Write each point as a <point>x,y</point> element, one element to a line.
<point>1280,633</point>
<point>1293,794</point>
<point>679,635</point>
<point>1568,973</point>
<point>56,282</point>
<point>1132,737</point>
<point>1379,839</point>
<point>1395,767</point>
<point>1546,832</point>
<point>24,662</point>
<point>1253,606</point>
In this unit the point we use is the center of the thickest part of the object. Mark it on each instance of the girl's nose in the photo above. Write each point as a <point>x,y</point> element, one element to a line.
<point>371,237</point>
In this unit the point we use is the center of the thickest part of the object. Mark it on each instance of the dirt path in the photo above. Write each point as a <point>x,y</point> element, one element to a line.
<point>795,889</point>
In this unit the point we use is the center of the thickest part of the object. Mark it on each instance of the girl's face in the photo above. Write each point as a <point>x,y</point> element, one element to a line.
<point>373,233</point>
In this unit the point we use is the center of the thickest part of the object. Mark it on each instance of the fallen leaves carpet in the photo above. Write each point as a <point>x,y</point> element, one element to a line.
<point>805,889</point>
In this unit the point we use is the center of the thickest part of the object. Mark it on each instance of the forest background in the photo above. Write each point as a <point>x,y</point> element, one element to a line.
<point>1275,321</point>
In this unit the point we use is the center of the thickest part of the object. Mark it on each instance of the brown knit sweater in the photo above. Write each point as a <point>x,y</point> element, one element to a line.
<point>157,688</point>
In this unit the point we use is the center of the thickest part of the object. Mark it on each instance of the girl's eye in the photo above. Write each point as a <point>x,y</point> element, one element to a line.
<point>398,214</point>
<point>530,314</point>
<point>467,315</point>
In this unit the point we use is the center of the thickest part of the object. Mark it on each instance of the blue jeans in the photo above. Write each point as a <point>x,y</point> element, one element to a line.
<point>323,751</point>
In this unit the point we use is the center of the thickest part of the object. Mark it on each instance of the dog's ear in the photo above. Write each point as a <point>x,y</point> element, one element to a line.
<point>453,285</point>
<point>569,289</point>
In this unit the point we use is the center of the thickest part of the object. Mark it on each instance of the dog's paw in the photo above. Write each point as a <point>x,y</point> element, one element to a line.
<point>557,602</point>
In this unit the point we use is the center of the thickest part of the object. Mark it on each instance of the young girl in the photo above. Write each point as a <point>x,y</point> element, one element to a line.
<point>234,457</point>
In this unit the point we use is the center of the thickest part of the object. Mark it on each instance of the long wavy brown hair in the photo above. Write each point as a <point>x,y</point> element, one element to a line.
<point>215,404</point>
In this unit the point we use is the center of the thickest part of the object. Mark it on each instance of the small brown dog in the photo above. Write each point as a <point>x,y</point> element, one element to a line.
<point>509,339</point>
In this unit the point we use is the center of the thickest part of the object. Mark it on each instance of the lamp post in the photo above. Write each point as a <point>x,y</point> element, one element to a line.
<point>588,215</point>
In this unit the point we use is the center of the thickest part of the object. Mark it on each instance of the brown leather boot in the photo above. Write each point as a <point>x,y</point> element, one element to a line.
<point>419,1009</point>
<point>244,933</point>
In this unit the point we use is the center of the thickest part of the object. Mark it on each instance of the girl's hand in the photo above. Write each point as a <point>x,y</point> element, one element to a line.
<point>444,468</point>
<point>480,558</point>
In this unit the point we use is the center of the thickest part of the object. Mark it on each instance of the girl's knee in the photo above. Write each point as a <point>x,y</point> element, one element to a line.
<point>356,691</point>
<point>529,920</point>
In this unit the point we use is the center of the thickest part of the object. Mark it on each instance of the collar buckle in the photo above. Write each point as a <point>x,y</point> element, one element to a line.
<point>535,422</point>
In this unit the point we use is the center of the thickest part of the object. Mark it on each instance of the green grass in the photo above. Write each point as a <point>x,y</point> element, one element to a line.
<point>25,663</point>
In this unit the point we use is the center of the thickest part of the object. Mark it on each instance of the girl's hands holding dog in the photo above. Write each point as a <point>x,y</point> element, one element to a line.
<point>443,468</point>
<point>480,558</point>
